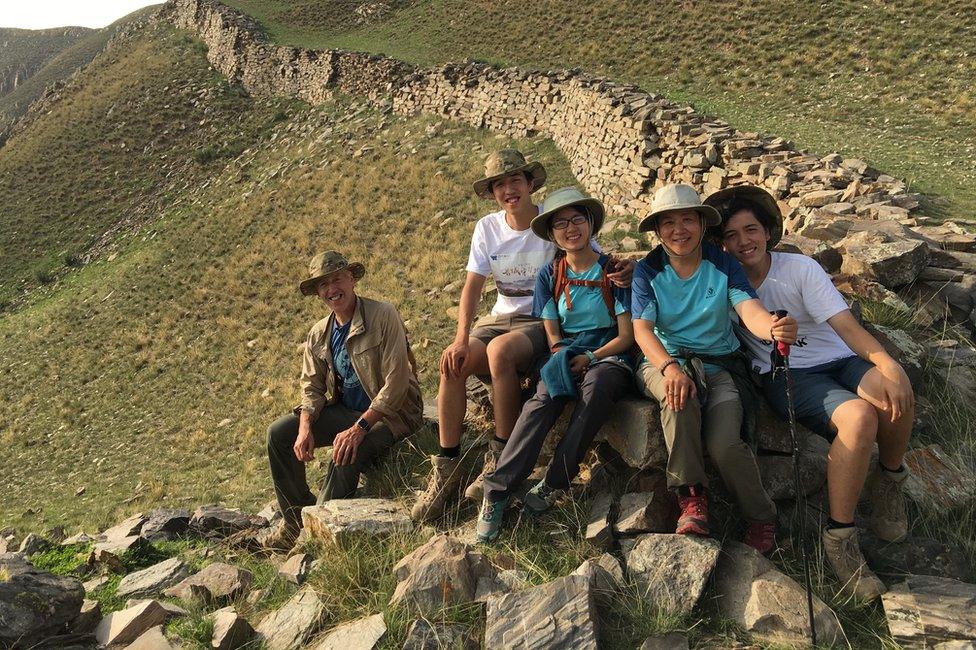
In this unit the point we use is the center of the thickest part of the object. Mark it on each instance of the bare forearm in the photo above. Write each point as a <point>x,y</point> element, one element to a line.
<point>622,342</point>
<point>650,344</point>
<point>859,339</point>
<point>305,421</point>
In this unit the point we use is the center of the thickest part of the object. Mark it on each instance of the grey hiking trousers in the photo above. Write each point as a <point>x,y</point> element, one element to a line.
<point>602,385</point>
<point>288,473</point>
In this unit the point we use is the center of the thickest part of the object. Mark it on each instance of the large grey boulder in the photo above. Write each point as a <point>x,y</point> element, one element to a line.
<point>875,257</point>
<point>34,604</point>
<point>441,573</point>
<point>217,521</point>
<point>127,625</point>
<point>214,582</point>
<point>777,474</point>
<point>152,580</point>
<point>294,622</point>
<point>936,482</point>
<point>634,432</point>
<point>362,634</point>
<point>344,519</point>
<point>558,614</point>
<point>165,524</point>
<point>671,570</point>
<point>230,631</point>
<point>767,603</point>
<point>645,512</point>
<point>924,611</point>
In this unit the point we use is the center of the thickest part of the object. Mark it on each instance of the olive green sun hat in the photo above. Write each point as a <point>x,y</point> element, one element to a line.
<point>504,162</point>
<point>759,199</point>
<point>566,197</point>
<point>677,197</point>
<point>324,264</point>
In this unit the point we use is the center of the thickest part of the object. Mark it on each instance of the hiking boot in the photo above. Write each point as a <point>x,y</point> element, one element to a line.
<point>843,551</point>
<point>476,491</point>
<point>889,522</point>
<point>761,535</point>
<point>282,538</point>
<point>442,487</point>
<point>693,519</point>
<point>542,497</point>
<point>490,519</point>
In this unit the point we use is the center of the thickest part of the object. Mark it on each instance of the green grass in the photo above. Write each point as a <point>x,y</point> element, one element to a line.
<point>887,82</point>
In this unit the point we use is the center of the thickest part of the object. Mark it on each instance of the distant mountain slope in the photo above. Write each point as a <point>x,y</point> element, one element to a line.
<point>59,66</point>
<point>889,82</point>
<point>25,51</point>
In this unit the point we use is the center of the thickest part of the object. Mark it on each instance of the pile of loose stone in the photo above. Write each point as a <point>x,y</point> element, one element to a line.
<point>672,573</point>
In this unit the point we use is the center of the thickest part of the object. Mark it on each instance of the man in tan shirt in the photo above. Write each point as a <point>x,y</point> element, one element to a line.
<point>359,393</point>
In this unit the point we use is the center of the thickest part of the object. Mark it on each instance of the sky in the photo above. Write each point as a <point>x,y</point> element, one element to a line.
<point>41,14</point>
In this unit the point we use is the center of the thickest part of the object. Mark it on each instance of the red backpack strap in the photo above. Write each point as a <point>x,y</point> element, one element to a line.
<point>561,283</point>
<point>606,288</point>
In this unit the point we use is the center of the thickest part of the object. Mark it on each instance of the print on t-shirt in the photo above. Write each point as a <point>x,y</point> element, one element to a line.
<point>515,272</point>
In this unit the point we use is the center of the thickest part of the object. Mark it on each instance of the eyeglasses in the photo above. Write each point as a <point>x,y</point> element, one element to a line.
<point>563,224</point>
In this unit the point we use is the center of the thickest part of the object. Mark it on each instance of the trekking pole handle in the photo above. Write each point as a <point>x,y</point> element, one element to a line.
<point>781,347</point>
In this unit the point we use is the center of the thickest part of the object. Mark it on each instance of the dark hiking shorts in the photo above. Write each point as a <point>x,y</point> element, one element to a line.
<point>817,391</point>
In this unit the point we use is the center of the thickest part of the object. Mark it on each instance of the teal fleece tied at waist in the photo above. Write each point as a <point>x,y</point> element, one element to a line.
<point>559,380</point>
<point>737,365</point>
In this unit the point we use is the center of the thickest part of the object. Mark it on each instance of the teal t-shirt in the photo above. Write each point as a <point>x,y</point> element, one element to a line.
<point>589,310</point>
<point>691,313</point>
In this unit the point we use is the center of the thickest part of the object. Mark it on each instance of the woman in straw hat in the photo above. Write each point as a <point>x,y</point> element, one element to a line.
<point>588,328</point>
<point>506,342</point>
<point>845,386</point>
<point>682,294</point>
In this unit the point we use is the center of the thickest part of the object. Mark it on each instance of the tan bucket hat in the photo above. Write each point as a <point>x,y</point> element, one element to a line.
<point>675,197</point>
<point>722,200</point>
<point>504,162</point>
<point>324,264</point>
<point>566,197</point>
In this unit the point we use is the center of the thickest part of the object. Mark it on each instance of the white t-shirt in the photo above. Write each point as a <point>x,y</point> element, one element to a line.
<point>513,258</point>
<point>799,285</point>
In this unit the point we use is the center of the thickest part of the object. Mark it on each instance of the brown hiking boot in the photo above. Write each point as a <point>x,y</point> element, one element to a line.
<point>442,487</point>
<point>281,539</point>
<point>843,551</point>
<point>476,491</point>
<point>888,519</point>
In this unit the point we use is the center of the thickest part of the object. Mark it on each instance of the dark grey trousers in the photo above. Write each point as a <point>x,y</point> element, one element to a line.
<point>602,385</point>
<point>288,473</point>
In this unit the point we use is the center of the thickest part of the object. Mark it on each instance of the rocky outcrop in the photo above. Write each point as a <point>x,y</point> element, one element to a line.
<point>672,570</point>
<point>926,611</point>
<point>558,614</point>
<point>34,604</point>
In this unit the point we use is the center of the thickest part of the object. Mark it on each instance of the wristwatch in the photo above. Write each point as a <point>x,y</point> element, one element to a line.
<point>363,424</point>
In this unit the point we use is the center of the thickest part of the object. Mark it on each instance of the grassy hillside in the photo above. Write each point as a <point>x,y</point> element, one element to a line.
<point>60,65</point>
<point>889,82</point>
<point>24,51</point>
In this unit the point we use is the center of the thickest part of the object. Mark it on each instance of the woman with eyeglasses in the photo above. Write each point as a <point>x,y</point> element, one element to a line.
<point>588,328</point>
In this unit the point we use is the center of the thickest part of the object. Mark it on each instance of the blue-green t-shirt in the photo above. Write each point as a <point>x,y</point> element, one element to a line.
<point>589,310</point>
<point>352,395</point>
<point>691,313</point>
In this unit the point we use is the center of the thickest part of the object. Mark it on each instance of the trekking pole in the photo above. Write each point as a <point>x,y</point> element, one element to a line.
<point>781,364</point>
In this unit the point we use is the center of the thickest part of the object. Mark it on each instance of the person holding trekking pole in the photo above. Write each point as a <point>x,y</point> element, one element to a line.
<point>845,386</point>
<point>588,328</point>
<point>683,292</point>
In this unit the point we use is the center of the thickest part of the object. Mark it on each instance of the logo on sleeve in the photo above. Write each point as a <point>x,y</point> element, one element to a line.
<point>709,292</point>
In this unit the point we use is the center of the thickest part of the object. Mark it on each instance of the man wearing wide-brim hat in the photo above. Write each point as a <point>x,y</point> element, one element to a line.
<point>504,343</point>
<point>359,393</point>
<point>845,386</point>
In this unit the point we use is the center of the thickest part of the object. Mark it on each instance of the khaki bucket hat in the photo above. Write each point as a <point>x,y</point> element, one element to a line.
<point>324,264</point>
<point>675,197</point>
<point>771,217</point>
<point>566,197</point>
<point>504,162</point>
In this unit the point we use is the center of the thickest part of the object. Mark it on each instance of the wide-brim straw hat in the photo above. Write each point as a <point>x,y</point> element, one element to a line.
<point>505,162</point>
<point>567,197</point>
<point>677,197</point>
<point>324,264</point>
<point>759,198</point>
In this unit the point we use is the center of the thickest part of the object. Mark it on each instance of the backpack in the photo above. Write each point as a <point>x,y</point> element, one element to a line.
<point>561,284</point>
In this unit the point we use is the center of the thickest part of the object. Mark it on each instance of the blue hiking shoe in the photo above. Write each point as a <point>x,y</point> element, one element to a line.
<point>542,497</point>
<point>490,519</point>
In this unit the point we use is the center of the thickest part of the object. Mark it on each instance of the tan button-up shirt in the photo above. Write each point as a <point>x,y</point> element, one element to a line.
<point>380,355</point>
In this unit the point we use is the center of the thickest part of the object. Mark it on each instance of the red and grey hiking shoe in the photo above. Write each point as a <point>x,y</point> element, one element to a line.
<point>694,513</point>
<point>761,535</point>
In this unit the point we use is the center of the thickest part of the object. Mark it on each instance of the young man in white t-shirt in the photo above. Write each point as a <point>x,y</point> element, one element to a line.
<point>505,342</point>
<point>845,386</point>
